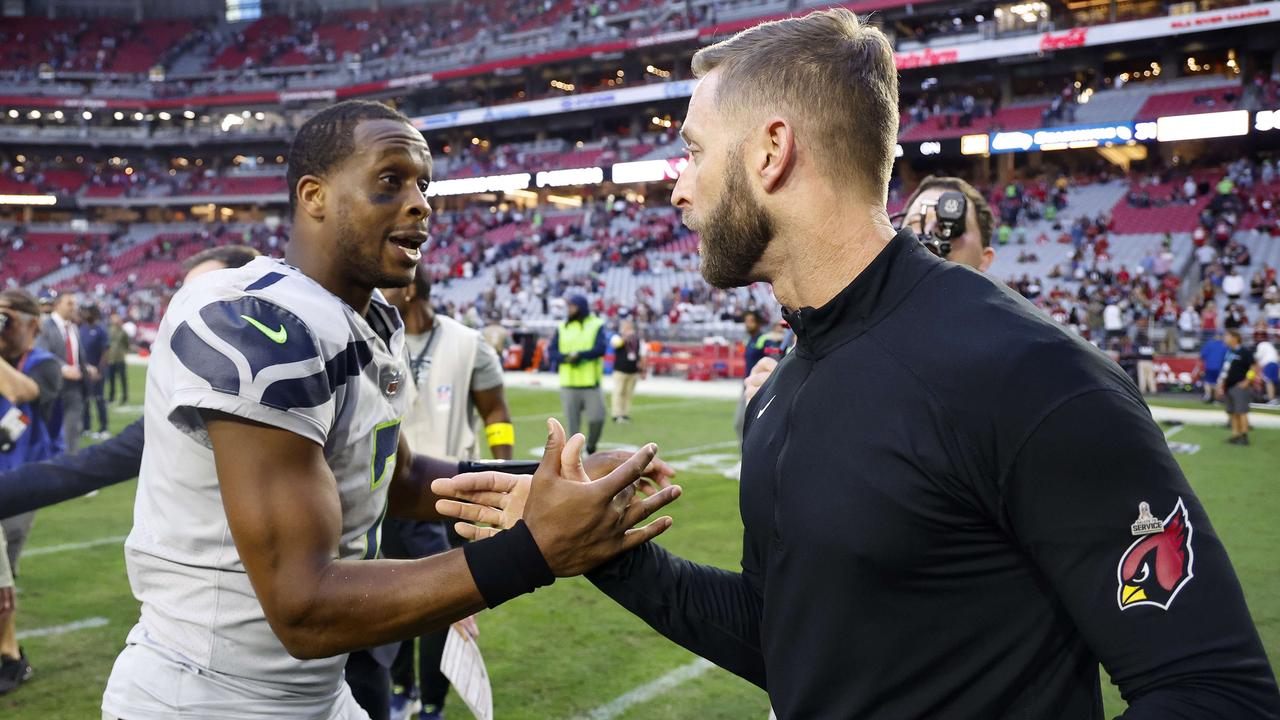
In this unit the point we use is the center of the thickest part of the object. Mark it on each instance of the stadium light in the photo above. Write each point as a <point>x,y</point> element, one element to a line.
<point>979,144</point>
<point>1231,123</point>
<point>28,200</point>
<point>190,115</point>
<point>474,185</point>
<point>1267,120</point>
<point>34,114</point>
<point>86,115</point>
<point>119,115</point>
<point>165,116</point>
<point>649,170</point>
<point>138,116</point>
<point>575,176</point>
<point>57,115</point>
<point>13,113</point>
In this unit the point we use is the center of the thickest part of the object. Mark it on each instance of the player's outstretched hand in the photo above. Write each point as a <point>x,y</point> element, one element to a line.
<point>576,521</point>
<point>758,375</point>
<point>654,479</point>
<point>491,498</point>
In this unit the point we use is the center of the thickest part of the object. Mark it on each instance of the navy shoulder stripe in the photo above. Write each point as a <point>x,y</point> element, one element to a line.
<point>265,333</point>
<point>202,359</point>
<point>307,392</point>
<point>348,363</point>
<point>266,281</point>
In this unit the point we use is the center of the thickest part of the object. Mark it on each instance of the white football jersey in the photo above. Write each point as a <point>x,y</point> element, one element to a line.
<point>266,343</point>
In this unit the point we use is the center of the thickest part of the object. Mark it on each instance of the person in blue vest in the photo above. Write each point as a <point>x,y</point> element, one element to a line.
<point>578,349</point>
<point>30,422</point>
<point>1213,355</point>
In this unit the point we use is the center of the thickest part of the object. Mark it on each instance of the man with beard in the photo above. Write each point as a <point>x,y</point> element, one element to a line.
<point>273,451</point>
<point>972,247</point>
<point>915,547</point>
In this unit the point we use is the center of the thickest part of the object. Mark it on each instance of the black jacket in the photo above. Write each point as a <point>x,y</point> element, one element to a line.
<point>938,492</point>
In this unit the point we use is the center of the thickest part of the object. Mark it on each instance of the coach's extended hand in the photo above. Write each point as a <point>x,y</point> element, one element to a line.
<point>576,521</point>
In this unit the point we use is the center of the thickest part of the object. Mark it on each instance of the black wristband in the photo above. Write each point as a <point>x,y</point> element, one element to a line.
<point>515,467</point>
<point>507,565</point>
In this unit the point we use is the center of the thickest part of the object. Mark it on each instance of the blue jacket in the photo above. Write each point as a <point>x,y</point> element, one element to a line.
<point>43,437</point>
<point>48,482</point>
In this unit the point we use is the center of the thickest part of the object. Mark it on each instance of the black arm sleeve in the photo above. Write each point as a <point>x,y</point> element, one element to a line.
<point>40,484</point>
<point>712,612</point>
<point>1163,611</point>
<point>598,348</point>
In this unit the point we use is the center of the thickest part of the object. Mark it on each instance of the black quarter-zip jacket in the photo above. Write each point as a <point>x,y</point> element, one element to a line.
<point>940,489</point>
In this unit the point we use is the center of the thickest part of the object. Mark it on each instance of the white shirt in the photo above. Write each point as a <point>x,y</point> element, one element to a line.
<point>1111,318</point>
<point>266,343</point>
<point>68,331</point>
<point>1205,254</point>
<point>1265,354</point>
<point>1233,284</point>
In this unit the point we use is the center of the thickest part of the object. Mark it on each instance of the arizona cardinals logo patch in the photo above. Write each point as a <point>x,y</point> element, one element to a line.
<point>1159,563</point>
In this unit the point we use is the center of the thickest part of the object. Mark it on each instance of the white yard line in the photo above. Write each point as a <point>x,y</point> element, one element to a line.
<point>1173,431</point>
<point>634,409</point>
<point>648,691</point>
<point>87,623</point>
<point>51,549</point>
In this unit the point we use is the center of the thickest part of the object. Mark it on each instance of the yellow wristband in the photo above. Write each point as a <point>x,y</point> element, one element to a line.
<point>500,434</point>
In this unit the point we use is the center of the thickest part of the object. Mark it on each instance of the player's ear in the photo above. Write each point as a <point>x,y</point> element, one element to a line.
<point>311,196</point>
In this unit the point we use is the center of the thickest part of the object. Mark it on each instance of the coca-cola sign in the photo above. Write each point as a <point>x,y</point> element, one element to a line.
<point>1073,38</point>
<point>925,58</point>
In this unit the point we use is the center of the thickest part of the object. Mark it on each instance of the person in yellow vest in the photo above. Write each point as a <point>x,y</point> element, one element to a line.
<point>456,381</point>
<point>578,349</point>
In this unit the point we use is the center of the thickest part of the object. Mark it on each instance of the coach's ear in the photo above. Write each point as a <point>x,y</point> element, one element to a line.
<point>311,196</point>
<point>776,152</point>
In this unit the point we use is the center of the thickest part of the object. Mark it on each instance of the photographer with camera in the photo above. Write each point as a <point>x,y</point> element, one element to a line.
<point>952,220</point>
<point>30,380</point>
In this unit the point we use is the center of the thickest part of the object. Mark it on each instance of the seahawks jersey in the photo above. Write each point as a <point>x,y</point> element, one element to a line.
<point>267,344</point>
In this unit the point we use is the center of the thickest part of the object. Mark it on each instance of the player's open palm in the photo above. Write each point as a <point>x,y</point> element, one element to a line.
<point>576,521</point>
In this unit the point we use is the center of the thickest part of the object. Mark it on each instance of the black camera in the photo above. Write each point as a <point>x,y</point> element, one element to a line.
<point>949,213</point>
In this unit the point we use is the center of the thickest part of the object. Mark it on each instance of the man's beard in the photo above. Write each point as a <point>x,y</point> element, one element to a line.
<point>735,233</point>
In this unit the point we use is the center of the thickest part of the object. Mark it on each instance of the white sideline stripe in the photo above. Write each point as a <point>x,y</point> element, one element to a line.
<point>634,409</point>
<point>87,623</point>
<point>1173,431</point>
<point>723,444</point>
<point>51,549</point>
<point>648,691</point>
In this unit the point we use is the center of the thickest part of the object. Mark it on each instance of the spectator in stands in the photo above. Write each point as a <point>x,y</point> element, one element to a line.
<point>1113,322</point>
<point>118,344</point>
<point>93,336</point>
<point>60,336</point>
<point>628,365</point>
<point>578,349</point>
<point>30,384</point>
<point>1235,384</point>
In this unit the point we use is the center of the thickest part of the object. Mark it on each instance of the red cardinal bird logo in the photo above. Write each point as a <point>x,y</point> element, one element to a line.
<point>1157,566</point>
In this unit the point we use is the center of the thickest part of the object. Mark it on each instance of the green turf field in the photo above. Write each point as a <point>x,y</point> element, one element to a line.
<point>566,650</point>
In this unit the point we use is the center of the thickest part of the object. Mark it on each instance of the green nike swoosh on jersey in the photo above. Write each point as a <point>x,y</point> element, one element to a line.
<point>276,336</point>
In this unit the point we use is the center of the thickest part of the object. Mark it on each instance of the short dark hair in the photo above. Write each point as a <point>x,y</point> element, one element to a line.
<point>233,256</point>
<point>326,139</point>
<point>21,301</point>
<point>753,313</point>
<point>1232,332</point>
<point>986,219</point>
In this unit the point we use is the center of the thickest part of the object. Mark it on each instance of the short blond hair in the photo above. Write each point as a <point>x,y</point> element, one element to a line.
<point>833,73</point>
